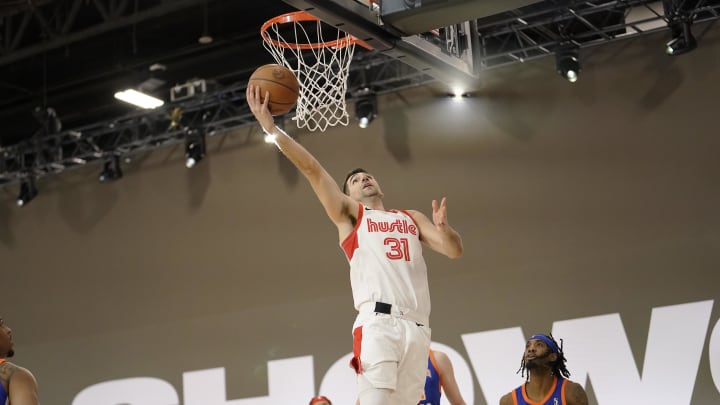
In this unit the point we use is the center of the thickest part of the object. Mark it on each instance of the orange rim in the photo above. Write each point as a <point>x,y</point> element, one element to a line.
<point>298,16</point>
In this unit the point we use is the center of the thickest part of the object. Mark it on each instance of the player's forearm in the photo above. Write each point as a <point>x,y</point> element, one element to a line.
<point>327,191</point>
<point>452,391</point>
<point>451,241</point>
<point>296,153</point>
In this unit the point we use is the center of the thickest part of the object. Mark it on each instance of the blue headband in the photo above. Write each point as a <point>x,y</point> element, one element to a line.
<point>553,347</point>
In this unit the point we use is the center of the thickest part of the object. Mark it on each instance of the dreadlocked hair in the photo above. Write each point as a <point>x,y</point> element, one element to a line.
<point>558,367</point>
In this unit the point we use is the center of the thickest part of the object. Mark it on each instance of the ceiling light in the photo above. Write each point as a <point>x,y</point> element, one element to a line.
<point>205,38</point>
<point>139,99</point>
<point>28,191</point>
<point>682,40</point>
<point>366,109</point>
<point>194,148</point>
<point>458,92</point>
<point>157,67</point>
<point>568,62</point>
<point>111,170</point>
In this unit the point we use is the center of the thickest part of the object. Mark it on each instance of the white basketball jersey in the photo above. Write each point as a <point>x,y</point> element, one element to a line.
<point>386,261</point>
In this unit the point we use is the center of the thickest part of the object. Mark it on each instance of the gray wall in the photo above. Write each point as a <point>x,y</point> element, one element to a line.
<point>573,200</point>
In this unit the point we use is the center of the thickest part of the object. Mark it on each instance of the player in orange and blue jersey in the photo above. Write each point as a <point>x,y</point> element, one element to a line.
<point>547,377</point>
<point>17,385</point>
<point>440,379</point>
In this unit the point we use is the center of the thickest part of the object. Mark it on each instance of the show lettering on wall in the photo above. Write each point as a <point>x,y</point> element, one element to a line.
<point>599,347</point>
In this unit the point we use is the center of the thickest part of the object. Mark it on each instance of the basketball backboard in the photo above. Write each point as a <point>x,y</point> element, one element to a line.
<point>435,37</point>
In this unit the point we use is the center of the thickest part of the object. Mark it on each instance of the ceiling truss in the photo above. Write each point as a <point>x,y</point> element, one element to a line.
<point>211,113</point>
<point>33,27</point>
<point>517,36</point>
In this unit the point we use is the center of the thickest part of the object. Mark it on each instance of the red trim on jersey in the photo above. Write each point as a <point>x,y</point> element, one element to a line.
<point>357,342</point>
<point>416,225</point>
<point>351,243</point>
<point>562,392</point>
<point>410,216</point>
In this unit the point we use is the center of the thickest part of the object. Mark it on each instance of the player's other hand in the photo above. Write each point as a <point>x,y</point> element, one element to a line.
<point>439,213</point>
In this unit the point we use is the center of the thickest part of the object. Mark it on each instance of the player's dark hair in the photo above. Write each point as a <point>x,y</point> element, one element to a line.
<point>558,367</point>
<point>350,173</point>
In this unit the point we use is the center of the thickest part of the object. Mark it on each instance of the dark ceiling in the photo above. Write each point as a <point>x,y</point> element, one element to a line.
<point>72,56</point>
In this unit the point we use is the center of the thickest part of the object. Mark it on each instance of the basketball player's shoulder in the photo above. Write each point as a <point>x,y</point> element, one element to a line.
<point>10,370</point>
<point>506,399</point>
<point>575,394</point>
<point>414,214</point>
<point>441,358</point>
<point>7,369</point>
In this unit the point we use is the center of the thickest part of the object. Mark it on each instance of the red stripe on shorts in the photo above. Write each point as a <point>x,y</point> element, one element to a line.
<point>357,341</point>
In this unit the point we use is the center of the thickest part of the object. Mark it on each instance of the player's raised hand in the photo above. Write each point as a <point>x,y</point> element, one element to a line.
<point>439,213</point>
<point>259,107</point>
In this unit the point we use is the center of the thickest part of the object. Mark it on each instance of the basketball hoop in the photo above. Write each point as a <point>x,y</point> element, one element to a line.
<point>295,40</point>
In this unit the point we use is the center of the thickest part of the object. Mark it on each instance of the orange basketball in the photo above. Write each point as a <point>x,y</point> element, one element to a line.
<point>282,85</point>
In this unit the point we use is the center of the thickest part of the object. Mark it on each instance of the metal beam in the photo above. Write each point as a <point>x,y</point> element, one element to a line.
<point>111,24</point>
<point>501,40</point>
<point>412,18</point>
<point>534,33</point>
<point>215,113</point>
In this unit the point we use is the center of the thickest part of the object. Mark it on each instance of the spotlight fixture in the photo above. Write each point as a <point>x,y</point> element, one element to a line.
<point>365,107</point>
<point>682,40</point>
<point>28,191</point>
<point>111,170</point>
<point>194,148</point>
<point>567,60</point>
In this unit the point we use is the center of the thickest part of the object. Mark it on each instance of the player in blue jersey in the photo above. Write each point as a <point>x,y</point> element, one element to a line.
<point>547,377</point>
<point>17,385</point>
<point>440,379</point>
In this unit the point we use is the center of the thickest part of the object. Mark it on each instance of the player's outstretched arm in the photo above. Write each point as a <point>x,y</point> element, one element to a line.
<point>575,394</point>
<point>23,388</point>
<point>506,399</point>
<point>449,385</point>
<point>338,206</point>
<point>438,234</point>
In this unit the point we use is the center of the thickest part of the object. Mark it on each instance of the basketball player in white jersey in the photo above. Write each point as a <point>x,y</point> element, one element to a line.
<point>387,270</point>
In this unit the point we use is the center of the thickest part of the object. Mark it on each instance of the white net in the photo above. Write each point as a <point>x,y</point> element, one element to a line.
<point>321,67</point>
